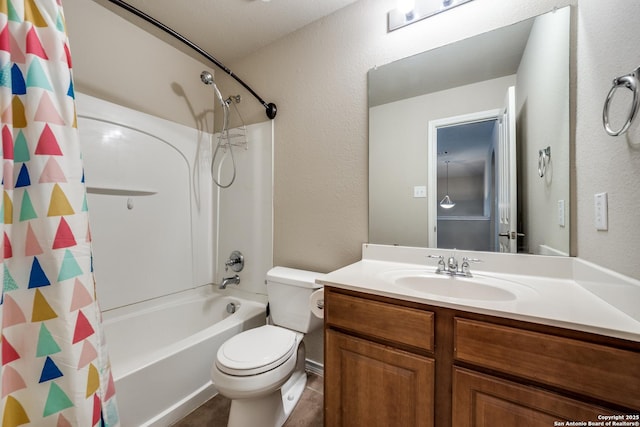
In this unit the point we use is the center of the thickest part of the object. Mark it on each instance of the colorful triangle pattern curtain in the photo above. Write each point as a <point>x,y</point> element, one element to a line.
<point>55,370</point>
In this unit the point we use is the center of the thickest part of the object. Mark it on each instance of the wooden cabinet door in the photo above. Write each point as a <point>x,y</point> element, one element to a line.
<point>601,371</point>
<point>483,401</point>
<point>369,384</point>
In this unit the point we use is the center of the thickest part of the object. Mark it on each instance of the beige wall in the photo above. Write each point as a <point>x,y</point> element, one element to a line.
<point>317,76</point>
<point>608,43</point>
<point>116,61</point>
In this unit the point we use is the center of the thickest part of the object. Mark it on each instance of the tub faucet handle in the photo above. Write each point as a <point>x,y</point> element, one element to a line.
<point>235,261</point>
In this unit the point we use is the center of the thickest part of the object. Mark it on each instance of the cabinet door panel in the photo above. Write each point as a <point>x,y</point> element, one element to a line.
<point>483,401</point>
<point>368,384</point>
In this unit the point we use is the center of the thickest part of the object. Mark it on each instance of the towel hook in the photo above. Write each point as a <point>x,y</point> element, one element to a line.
<point>631,82</point>
<point>544,156</point>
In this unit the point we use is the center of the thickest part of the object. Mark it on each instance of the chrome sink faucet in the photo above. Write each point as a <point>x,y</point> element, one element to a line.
<point>452,267</point>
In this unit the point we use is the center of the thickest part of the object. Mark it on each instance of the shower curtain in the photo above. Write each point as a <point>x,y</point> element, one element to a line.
<point>55,370</point>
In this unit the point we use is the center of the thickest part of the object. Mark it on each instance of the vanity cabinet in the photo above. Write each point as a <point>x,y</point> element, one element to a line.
<point>391,362</point>
<point>377,363</point>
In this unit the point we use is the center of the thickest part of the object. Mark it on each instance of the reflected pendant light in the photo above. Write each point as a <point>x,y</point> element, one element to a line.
<point>446,202</point>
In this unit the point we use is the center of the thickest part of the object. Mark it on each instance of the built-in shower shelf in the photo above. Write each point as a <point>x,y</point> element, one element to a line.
<point>111,191</point>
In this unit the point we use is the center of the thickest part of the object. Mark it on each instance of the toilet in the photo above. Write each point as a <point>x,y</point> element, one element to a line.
<point>262,370</point>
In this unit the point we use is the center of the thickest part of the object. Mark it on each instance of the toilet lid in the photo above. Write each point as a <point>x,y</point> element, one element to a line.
<point>256,351</point>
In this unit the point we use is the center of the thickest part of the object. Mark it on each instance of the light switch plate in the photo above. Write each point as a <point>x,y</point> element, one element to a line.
<point>601,211</point>
<point>561,213</point>
<point>420,191</point>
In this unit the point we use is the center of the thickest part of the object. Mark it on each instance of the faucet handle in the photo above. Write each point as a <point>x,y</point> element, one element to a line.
<point>464,268</point>
<point>235,261</point>
<point>441,264</point>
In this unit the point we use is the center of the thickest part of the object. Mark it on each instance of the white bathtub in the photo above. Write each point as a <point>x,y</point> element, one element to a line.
<point>161,351</point>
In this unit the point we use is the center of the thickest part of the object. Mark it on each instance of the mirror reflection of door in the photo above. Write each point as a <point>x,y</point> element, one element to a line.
<point>473,195</point>
<point>507,177</point>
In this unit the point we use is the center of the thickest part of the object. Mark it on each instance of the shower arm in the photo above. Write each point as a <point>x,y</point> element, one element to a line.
<point>270,108</point>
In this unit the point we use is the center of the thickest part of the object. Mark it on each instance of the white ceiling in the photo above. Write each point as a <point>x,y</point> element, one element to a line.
<point>232,29</point>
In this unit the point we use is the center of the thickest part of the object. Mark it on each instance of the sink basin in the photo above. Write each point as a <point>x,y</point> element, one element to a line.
<point>476,288</point>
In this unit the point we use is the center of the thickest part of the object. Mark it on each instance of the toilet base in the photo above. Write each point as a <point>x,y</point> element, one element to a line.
<point>271,410</point>
<point>292,391</point>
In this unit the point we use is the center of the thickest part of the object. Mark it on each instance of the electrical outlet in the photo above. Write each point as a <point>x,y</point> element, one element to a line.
<point>420,191</point>
<point>601,211</point>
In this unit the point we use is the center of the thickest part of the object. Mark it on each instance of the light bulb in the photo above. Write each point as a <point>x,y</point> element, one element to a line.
<point>446,202</point>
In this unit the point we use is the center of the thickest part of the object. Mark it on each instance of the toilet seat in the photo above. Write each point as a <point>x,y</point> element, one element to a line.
<point>256,351</point>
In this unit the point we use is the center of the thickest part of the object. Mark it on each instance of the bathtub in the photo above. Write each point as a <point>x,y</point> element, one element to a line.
<point>161,351</point>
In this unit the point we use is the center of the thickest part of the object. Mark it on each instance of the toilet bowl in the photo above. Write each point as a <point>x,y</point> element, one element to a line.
<point>262,370</point>
<point>240,373</point>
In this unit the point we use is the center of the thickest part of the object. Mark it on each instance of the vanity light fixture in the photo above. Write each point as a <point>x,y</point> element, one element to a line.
<point>410,11</point>
<point>446,202</point>
<point>406,7</point>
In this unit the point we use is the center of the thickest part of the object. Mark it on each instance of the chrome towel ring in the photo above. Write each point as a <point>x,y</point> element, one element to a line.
<point>631,82</point>
<point>544,157</point>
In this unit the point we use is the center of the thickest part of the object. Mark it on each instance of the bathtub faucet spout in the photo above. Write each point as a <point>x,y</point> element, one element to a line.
<point>234,280</point>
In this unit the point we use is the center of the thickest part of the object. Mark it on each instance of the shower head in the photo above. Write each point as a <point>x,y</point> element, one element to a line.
<point>206,77</point>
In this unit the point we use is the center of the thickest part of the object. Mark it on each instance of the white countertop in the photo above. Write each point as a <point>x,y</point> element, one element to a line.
<point>563,292</point>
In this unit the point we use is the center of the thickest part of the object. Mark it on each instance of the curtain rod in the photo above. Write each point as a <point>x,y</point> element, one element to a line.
<point>270,108</point>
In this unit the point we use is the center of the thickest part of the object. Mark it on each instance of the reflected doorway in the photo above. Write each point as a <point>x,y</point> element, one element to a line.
<point>463,165</point>
<point>478,153</point>
<point>467,150</point>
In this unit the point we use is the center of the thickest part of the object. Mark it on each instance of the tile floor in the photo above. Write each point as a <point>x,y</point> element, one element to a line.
<point>307,413</point>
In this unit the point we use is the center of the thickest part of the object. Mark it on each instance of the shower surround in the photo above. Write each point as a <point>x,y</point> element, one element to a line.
<point>161,233</point>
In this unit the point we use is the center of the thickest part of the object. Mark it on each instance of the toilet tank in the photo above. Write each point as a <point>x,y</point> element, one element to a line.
<point>289,290</point>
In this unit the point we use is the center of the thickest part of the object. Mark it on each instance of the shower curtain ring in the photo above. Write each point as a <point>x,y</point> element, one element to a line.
<point>630,81</point>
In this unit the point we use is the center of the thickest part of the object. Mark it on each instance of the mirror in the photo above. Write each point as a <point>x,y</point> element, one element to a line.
<point>422,112</point>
